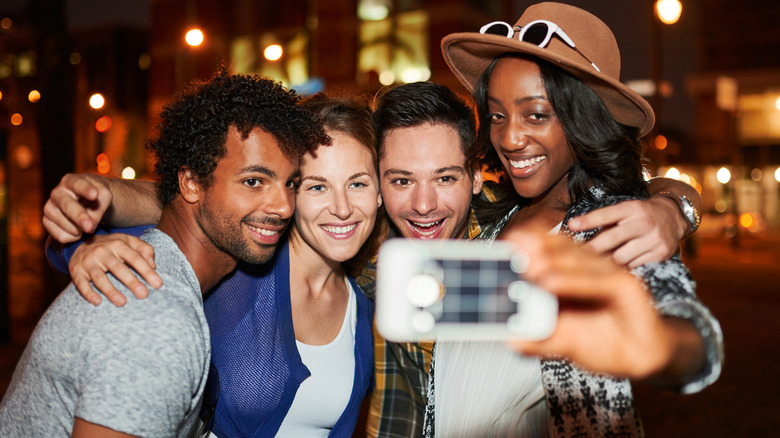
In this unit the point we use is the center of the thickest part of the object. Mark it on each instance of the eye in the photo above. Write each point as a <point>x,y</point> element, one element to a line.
<point>293,185</point>
<point>539,116</point>
<point>316,188</point>
<point>495,117</point>
<point>252,182</point>
<point>400,182</point>
<point>358,185</point>
<point>448,179</point>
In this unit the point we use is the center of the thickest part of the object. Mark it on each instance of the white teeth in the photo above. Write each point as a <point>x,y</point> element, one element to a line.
<point>433,226</point>
<point>339,230</point>
<point>263,231</point>
<point>525,163</point>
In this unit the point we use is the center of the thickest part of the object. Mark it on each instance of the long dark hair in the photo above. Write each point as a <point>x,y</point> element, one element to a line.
<point>607,153</point>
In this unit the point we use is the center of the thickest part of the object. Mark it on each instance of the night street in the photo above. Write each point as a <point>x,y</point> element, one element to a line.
<point>740,286</point>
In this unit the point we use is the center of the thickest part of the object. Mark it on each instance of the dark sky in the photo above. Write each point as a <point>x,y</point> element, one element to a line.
<point>81,13</point>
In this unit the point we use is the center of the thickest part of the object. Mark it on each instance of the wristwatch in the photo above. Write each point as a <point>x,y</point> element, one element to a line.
<point>686,208</point>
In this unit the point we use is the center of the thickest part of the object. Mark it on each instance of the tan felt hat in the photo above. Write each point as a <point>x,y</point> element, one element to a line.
<point>591,54</point>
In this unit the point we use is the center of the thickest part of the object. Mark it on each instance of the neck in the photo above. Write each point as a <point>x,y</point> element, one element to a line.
<point>546,210</point>
<point>309,268</point>
<point>209,263</point>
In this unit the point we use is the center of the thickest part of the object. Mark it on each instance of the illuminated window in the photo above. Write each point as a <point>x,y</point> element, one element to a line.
<point>395,48</point>
<point>759,122</point>
<point>247,56</point>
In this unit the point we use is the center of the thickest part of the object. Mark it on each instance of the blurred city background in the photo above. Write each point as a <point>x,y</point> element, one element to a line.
<point>83,81</point>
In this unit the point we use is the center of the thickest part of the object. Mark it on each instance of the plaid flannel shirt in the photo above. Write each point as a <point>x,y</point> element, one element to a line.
<point>397,404</point>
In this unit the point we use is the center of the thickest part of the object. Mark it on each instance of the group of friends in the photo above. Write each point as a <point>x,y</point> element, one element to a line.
<point>241,281</point>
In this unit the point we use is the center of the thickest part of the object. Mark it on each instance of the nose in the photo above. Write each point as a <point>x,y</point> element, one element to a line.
<point>341,207</point>
<point>280,202</point>
<point>514,137</point>
<point>424,199</point>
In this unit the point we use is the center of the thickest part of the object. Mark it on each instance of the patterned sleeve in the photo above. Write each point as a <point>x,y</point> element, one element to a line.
<point>674,292</point>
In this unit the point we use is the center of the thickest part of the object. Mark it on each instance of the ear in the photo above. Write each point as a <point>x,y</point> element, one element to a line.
<point>189,187</point>
<point>476,181</point>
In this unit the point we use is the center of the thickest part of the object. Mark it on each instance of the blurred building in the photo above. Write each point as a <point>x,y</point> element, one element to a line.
<point>736,90</point>
<point>353,46</point>
<point>48,128</point>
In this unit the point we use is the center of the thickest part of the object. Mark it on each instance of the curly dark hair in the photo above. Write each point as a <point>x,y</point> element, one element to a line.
<point>418,103</point>
<point>607,153</point>
<point>194,128</point>
<point>353,117</point>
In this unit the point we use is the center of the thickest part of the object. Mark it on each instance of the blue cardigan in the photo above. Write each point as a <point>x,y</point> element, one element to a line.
<point>253,347</point>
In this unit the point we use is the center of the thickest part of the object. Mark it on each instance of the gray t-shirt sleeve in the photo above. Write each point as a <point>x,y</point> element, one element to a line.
<point>140,376</point>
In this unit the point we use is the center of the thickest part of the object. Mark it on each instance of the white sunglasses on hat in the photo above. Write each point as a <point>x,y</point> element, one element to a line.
<point>538,32</point>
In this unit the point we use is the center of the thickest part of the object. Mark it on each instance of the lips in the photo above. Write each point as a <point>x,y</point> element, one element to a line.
<point>522,164</point>
<point>425,230</point>
<point>266,235</point>
<point>525,166</point>
<point>340,231</point>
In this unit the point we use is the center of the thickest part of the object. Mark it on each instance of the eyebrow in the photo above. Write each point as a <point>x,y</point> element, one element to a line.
<point>259,169</point>
<point>519,101</point>
<point>456,169</point>
<point>321,179</point>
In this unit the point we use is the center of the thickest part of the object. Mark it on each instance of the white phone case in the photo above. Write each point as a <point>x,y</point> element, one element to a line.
<point>458,290</point>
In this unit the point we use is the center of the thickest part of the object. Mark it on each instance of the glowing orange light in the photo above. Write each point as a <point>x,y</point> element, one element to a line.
<point>34,96</point>
<point>660,142</point>
<point>746,220</point>
<point>16,119</point>
<point>103,166</point>
<point>103,124</point>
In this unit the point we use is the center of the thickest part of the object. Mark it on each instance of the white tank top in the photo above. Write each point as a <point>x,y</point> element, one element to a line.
<point>323,396</point>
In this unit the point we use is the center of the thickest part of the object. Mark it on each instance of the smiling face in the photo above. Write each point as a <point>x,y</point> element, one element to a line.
<point>425,184</point>
<point>251,197</point>
<point>526,133</point>
<point>337,199</point>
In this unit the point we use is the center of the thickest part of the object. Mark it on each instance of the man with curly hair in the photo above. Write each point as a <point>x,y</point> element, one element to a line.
<point>227,161</point>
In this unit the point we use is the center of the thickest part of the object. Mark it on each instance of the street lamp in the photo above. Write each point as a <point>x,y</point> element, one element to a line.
<point>668,11</point>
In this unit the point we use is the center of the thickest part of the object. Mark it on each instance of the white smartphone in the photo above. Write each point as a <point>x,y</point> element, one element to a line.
<point>458,290</point>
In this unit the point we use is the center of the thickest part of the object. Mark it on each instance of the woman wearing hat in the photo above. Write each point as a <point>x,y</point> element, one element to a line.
<point>563,132</point>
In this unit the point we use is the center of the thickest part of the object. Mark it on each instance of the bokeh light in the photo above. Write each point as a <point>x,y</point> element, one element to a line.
<point>34,96</point>
<point>194,37</point>
<point>273,52</point>
<point>103,164</point>
<point>668,11</point>
<point>128,173</point>
<point>103,124</point>
<point>97,101</point>
<point>746,220</point>
<point>16,119</point>
<point>387,77</point>
<point>660,142</point>
<point>723,175</point>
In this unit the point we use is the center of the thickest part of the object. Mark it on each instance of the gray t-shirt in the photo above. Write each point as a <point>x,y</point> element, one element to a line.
<point>139,369</point>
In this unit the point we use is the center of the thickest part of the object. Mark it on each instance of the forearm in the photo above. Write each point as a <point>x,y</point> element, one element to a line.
<point>660,185</point>
<point>688,358</point>
<point>135,203</point>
